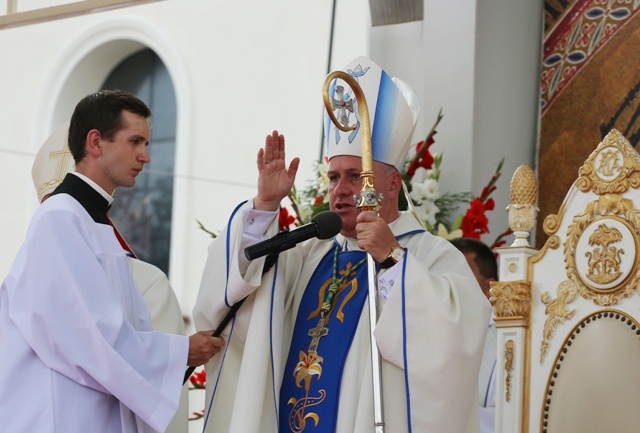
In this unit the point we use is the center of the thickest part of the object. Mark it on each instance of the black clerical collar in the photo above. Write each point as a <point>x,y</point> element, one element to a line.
<point>90,199</point>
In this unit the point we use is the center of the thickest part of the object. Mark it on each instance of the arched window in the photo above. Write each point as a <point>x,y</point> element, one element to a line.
<point>143,213</point>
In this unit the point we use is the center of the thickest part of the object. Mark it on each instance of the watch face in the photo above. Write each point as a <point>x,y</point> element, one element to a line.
<point>397,253</point>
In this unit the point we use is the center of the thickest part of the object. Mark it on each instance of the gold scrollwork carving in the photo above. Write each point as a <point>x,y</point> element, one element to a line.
<point>553,242</point>
<point>556,311</point>
<point>509,347</point>
<point>511,299</point>
<point>551,224</point>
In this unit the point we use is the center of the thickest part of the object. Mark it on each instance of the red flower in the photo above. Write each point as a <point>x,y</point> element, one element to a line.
<point>318,200</point>
<point>285,219</point>
<point>199,379</point>
<point>475,223</point>
<point>423,157</point>
<point>487,190</point>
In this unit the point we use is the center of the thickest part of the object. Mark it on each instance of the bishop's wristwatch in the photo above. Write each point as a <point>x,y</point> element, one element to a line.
<point>396,254</point>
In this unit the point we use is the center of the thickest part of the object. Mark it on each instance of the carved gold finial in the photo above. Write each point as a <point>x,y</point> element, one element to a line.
<point>524,186</point>
<point>523,210</point>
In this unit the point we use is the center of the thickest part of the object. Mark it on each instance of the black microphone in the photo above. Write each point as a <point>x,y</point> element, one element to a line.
<point>324,225</point>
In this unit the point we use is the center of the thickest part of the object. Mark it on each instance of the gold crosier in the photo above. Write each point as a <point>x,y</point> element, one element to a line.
<point>369,201</point>
<point>368,197</point>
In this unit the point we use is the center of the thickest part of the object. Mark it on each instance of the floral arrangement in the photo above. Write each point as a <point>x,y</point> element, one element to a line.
<point>421,174</point>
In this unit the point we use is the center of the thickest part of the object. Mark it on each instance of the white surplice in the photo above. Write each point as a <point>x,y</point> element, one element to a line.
<point>166,316</point>
<point>77,350</point>
<point>430,333</point>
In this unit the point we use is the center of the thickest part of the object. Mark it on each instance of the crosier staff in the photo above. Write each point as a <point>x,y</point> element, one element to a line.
<point>369,201</point>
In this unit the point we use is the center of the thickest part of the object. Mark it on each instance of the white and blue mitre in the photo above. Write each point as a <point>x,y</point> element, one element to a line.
<point>393,112</point>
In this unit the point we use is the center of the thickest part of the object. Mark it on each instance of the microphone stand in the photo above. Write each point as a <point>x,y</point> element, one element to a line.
<point>269,262</point>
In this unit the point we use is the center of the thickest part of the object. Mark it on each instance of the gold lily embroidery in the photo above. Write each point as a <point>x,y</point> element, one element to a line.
<point>308,367</point>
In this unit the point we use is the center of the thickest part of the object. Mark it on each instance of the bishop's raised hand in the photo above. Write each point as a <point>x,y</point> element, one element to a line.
<point>274,178</point>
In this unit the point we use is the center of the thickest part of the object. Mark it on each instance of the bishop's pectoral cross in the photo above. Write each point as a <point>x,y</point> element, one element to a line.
<point>316,334</point>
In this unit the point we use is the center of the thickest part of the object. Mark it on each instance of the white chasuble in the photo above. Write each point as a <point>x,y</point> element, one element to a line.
<point>430,334</point>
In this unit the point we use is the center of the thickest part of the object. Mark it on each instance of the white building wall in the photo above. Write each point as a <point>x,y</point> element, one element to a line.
<point>244,68</point>
<point>478,61</point>
<point>241,69</point>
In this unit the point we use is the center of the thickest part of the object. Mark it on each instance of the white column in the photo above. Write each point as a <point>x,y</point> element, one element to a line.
<point>478,60</point>
<point>513,342</point>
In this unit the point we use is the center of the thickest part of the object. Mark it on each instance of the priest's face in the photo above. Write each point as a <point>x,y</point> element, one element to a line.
<point>345,182</point>
<point>123,158</point>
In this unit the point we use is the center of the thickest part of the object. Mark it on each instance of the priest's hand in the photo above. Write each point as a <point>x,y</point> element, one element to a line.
<point>374,236</point>
<point>274,179</point>
<point>202,346</point>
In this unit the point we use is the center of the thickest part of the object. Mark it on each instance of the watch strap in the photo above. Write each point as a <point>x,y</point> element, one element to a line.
<point>391,259</point>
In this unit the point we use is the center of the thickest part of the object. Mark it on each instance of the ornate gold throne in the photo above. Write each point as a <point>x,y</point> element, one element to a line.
<point>568,315</point>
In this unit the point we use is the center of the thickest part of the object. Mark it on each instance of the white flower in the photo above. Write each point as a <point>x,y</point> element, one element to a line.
<point>431,189</point>
<point>428,190</point>
<point>323,168</point>
<point>427,212</point>
<point>415,195</point>
<point>421,174</point>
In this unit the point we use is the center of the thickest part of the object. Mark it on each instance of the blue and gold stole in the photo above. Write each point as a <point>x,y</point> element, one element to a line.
<point>329,313</point>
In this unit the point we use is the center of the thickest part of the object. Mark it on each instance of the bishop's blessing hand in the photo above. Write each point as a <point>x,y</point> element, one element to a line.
<point>274,179</point>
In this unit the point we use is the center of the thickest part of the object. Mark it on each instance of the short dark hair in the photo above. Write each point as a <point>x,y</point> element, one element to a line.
<point>101,111</point>
<point>485,258</point>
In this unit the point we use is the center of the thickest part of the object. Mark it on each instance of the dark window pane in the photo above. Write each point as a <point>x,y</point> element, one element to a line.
<point>143,213</point>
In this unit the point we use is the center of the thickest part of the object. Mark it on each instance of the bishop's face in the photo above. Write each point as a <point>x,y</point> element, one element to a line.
<point>123,158</point>
<point>345,182</point>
